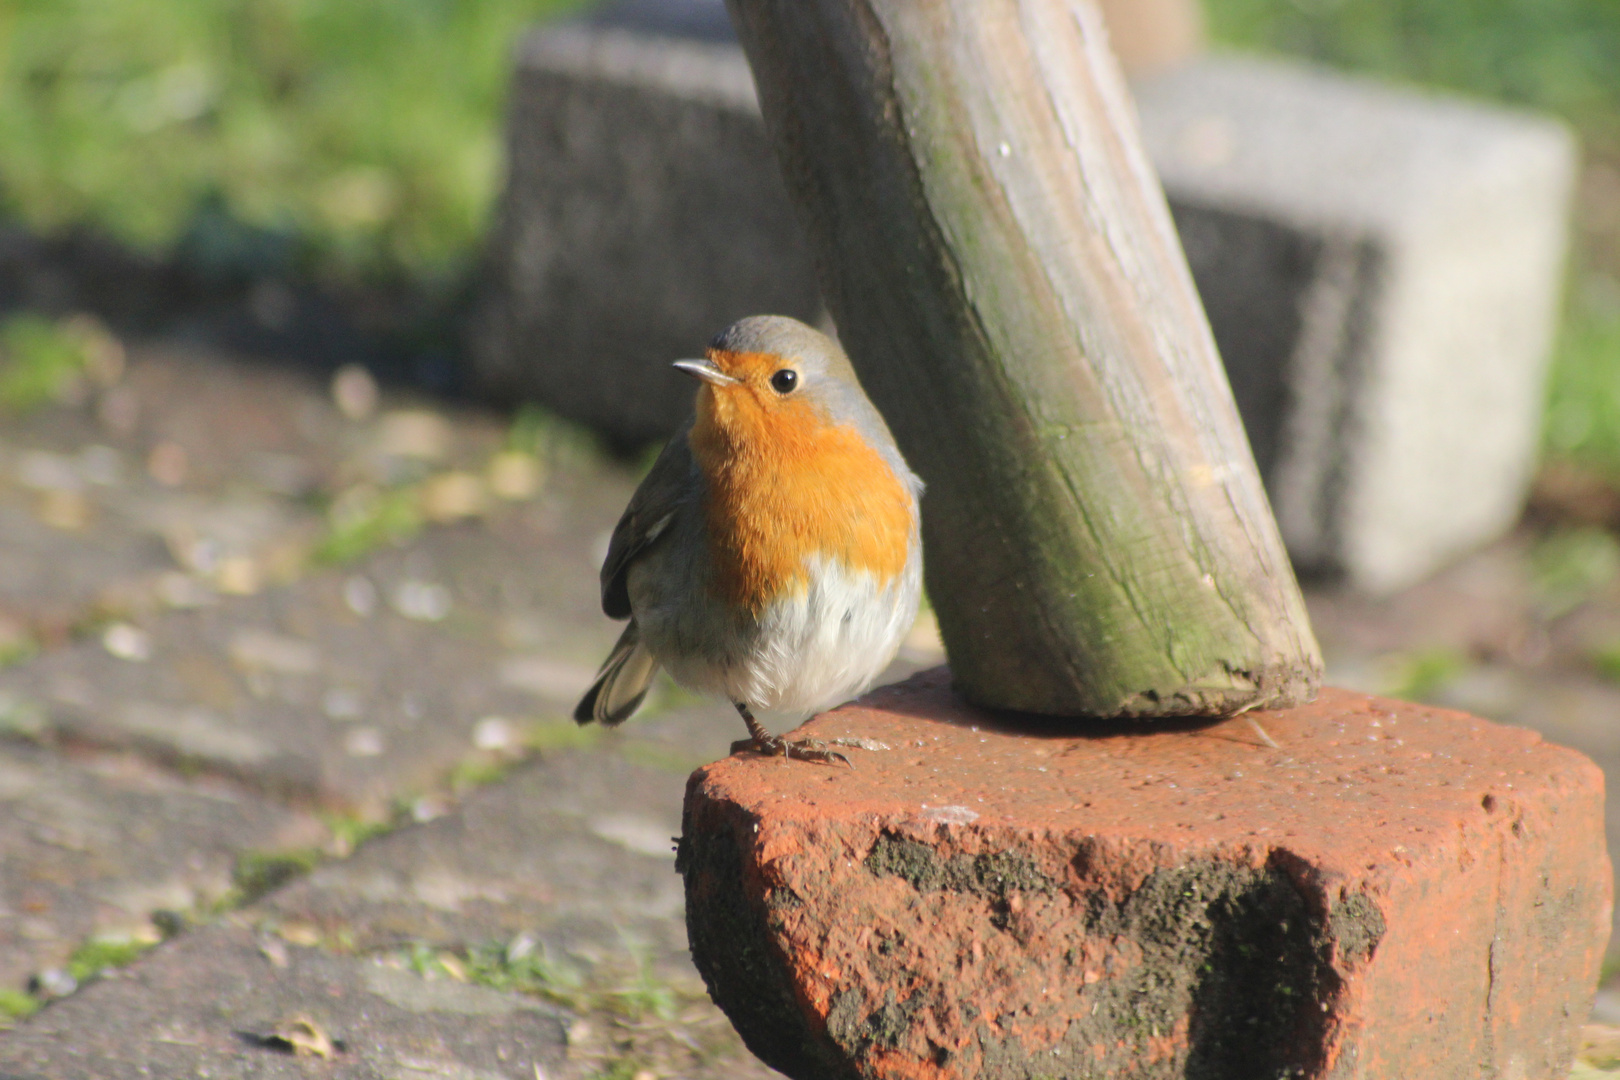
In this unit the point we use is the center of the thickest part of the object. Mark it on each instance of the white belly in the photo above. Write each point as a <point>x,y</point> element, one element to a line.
<point>810,652</point>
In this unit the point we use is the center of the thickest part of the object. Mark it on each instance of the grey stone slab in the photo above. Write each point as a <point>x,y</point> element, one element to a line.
<point>362,686</point>
<point>321,690</point>
<point>87,532</point>
<point>569,859</point>
<point>91,846</point>
<point>213,1003</point>
<point>576,850</point>
<point>573,857</point>
<point>1380,267</point>
<point>246,453</point>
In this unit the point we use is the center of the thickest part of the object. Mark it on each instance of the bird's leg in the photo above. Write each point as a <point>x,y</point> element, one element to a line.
<point>770,745</point>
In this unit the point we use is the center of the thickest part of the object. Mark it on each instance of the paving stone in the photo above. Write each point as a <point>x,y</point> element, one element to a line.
<point>92,845</point>
<point>568,862</point>
<point>213,1004</point>
<point>89,532</point>
<point>323,689</point>
<point>577,851</point>
<point>1361,887</point>
<point>195,466</point>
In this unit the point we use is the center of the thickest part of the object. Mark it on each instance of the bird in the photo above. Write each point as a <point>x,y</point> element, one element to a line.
<point>773,554</point>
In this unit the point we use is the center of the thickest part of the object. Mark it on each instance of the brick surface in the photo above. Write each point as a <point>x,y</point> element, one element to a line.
<point>92,845</point>
<point>1392,891</point>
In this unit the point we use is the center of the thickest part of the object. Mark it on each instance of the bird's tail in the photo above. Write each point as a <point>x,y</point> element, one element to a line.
<point>622,682</point>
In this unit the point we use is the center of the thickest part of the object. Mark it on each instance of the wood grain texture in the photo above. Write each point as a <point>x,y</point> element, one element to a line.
<point>1003,269</point>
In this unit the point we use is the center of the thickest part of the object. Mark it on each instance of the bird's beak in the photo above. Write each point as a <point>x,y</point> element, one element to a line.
<point>705,370</point>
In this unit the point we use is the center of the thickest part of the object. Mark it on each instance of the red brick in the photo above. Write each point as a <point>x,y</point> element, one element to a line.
<point>1395,892</point>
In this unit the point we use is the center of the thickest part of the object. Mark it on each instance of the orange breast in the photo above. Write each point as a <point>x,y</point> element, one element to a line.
<point>783,485</point>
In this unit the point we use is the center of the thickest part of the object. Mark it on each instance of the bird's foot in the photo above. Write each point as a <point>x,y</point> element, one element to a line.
<point>798,750</point>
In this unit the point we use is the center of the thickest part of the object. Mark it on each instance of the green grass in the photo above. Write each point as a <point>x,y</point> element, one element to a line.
<point>101,954</point>
<point>1551,54</point>
<point>1570,565</point>
<point>44,361</point>
<point>351,137</point>
<point>1423,673</point>
<point>1583,400</point>
<point>259,872</point>
<point>364,521</point>
<point>16,1005</point>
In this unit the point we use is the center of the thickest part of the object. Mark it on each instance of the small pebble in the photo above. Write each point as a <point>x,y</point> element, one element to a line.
<point>452,496</point>
<point>44,471</point>
<point>274,951</point>
<point>364,742</point>
<point>101,465</point>
<point>354,392</point>
<point>360,595</point>
<point>262,650</point>
<point>302,934</point>
<point>65,510</point>
<point>168,464</point>
<point>341,703</point>
<point>428,808</point>
<point>494,733</point>
<point>53,983</point>
<point>422,601</point>
<point>238,576</point>
<point>414,433</point>
<point>521,946</point>
<point>127,642</point>
<point>514,475</point>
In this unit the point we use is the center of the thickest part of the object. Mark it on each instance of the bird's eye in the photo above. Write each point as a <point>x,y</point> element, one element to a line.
<point>784,381</point>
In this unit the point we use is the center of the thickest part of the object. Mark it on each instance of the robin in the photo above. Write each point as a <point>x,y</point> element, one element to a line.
<point>773,554</point>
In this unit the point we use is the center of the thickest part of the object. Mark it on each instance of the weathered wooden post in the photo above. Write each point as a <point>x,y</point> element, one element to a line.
<point>1001,263</point>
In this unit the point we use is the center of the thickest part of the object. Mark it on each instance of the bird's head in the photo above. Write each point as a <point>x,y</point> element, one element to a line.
<point>772,377</point>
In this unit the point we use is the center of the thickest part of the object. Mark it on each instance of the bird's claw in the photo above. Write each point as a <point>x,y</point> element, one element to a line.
<point>802,750</point>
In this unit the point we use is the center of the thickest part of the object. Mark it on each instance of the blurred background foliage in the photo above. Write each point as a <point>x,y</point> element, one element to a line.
<point>358,141</point>
<point>345,138</point>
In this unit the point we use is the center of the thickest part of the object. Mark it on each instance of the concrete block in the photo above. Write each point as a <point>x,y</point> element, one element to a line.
<point>1381,270</point>
<point>643,213</point>
<point>1380,267</point>
<point>1375,891</point>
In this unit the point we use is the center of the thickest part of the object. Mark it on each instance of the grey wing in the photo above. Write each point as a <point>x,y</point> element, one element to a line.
<point>670,485</point>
